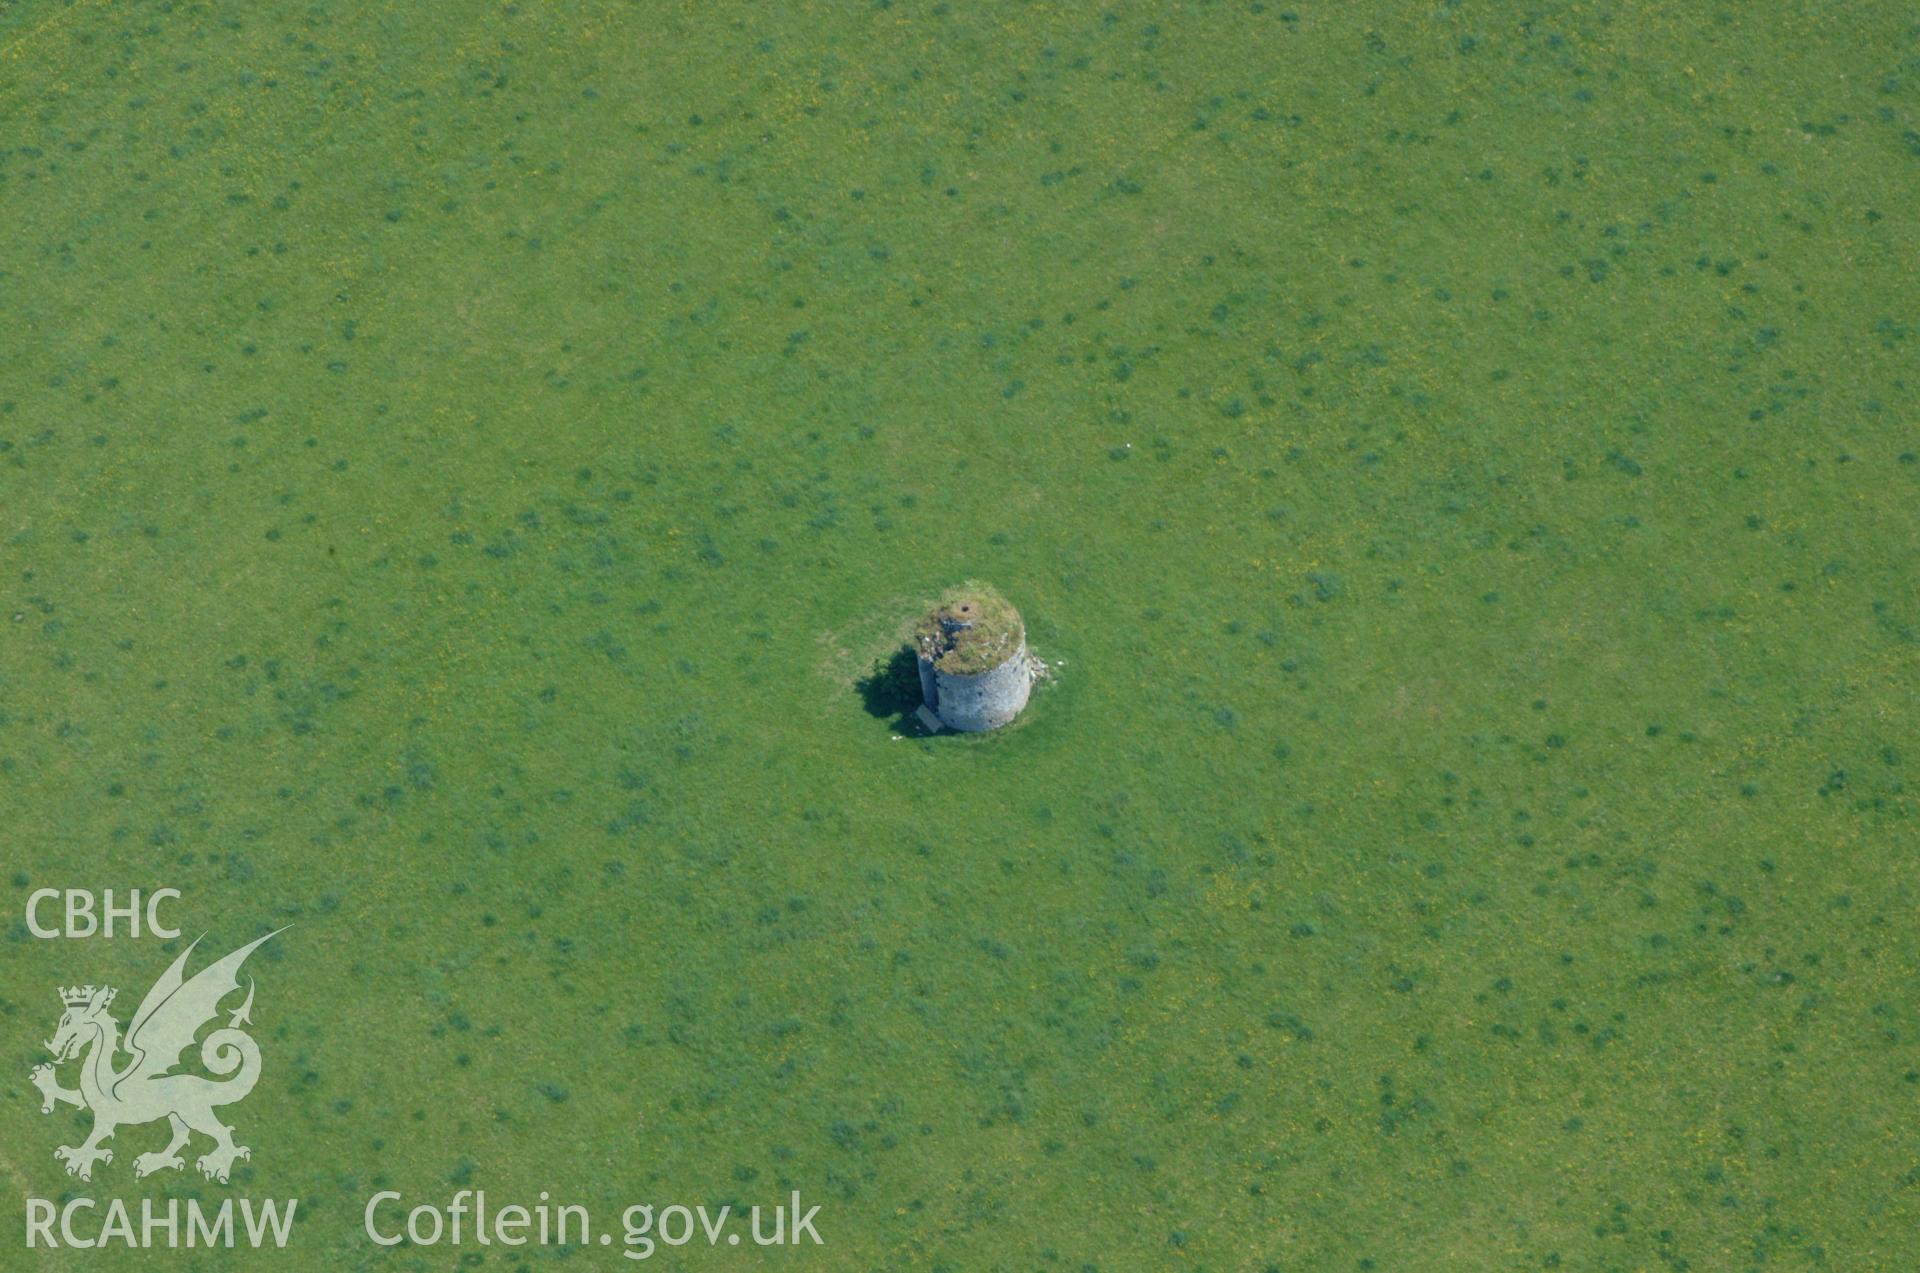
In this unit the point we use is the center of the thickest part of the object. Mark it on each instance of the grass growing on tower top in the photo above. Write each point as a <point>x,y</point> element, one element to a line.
<point>972,629</point>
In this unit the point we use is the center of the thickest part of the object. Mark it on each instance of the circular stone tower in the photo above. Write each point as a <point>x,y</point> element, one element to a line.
<point>975,671</point>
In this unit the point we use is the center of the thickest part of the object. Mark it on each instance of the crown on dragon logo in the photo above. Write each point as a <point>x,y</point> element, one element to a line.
<point>81,996</point>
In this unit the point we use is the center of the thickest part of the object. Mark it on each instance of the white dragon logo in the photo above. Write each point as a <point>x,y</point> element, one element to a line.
<point>146,1089</point>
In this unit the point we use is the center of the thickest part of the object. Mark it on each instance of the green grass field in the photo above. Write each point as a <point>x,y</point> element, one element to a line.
<point>465,470</point>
